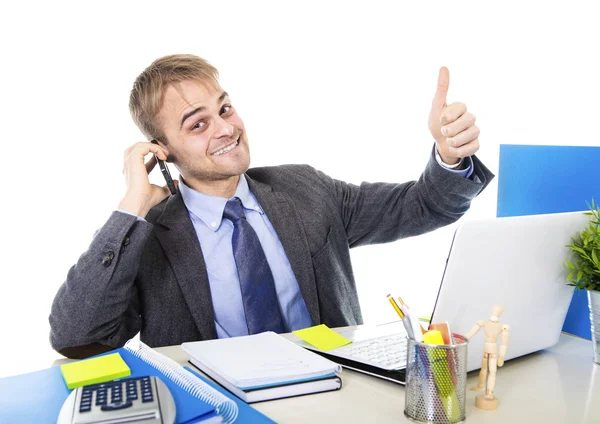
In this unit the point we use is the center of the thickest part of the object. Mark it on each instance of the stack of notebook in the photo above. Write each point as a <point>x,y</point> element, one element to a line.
<point>264,366</point>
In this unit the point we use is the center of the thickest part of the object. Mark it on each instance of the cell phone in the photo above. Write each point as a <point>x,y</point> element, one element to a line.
<point>165,171</point>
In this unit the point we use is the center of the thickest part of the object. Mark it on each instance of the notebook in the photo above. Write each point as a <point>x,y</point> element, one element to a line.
<point>37,397</point>
<point>263,366</point>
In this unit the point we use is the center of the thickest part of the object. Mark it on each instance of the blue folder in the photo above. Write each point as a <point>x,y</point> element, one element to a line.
<point>38,396</point>
<point>550,179</point>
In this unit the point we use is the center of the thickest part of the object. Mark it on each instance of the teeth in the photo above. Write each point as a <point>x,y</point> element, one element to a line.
<point>226,149</point>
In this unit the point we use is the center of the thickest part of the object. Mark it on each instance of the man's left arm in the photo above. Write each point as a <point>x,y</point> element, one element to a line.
<point>381,212</point>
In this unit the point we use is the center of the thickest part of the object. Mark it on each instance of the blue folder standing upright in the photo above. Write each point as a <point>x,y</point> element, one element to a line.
<point>550,179</point>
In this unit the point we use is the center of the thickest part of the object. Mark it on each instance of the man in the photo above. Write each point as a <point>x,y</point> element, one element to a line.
<point>238,251</point>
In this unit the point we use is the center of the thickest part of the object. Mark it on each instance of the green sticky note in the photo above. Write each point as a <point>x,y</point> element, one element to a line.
<point>95,370</point>
<point>322,337</point>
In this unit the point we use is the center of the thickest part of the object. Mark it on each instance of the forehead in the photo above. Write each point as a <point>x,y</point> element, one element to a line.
<point>186,94</point>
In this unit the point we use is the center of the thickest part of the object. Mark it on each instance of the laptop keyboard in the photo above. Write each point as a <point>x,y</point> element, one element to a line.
<point>387,352</point>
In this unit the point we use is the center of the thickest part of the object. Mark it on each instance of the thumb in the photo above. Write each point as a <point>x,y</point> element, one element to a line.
<point>439,101</point>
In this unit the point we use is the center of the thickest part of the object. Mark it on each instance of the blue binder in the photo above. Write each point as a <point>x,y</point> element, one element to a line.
<point>550,179</point>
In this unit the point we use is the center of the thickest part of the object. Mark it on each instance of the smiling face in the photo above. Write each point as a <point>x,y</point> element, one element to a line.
<point>206,137</point>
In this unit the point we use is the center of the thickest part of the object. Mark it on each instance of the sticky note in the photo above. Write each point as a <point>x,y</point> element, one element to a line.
<point>443,328</point>
<point>322,337</point>
<point>433,337</point>
<point>94,370</point>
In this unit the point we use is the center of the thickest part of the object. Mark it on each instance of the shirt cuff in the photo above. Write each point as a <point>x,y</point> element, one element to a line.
<point>466,172</point>
<point>139,218</point>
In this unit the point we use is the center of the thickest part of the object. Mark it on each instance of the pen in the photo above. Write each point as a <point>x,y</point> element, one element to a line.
<point>413,322</point>
<point>403,317</point>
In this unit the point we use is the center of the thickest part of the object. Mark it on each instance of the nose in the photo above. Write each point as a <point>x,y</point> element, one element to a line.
<point>222,128</point>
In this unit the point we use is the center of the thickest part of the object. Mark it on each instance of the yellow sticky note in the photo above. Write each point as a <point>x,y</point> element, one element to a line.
<point>95,370</point>
<point>322,337</point>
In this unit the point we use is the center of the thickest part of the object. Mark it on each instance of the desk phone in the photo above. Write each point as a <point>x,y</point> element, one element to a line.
<point>139,399</point>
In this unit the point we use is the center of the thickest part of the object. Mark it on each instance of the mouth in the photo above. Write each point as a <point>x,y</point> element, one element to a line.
<point>227,148</point>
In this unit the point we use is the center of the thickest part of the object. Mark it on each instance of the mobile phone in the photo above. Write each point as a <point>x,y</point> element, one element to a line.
<point>165,171</point>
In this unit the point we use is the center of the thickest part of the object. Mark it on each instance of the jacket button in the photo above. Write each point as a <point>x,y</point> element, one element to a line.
<point>122,249</point>
<point>126,241</point>
<point>107,259</point>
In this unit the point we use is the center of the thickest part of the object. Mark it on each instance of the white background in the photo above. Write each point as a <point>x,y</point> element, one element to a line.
<point>343,86</point>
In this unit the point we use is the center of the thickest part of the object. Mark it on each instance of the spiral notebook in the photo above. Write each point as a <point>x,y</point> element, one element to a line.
<point>195,401</point>
<point>38,396</point>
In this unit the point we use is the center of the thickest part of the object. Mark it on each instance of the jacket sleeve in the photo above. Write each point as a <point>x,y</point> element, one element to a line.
<point>383,212</point>
<point>98,303</point>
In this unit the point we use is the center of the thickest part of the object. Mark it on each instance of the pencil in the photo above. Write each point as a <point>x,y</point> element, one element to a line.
<point>395,305</point>
<point>405,307</point>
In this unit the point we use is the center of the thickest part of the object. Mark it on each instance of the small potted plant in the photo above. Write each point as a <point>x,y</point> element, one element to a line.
<point>584,271</point>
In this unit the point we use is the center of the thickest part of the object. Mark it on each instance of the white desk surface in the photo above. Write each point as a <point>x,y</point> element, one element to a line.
<point>557,385</point>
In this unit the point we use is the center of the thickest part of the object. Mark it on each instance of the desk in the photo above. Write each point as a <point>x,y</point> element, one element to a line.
<point>557,385</point>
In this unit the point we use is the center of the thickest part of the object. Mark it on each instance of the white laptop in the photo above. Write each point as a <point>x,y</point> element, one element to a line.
<point>514,261</point>
<point>517,262</point>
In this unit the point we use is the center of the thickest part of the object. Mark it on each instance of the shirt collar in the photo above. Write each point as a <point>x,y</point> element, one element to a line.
<point>209,209</point>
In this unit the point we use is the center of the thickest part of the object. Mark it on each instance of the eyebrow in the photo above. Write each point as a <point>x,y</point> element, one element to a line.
<point>200,109</point>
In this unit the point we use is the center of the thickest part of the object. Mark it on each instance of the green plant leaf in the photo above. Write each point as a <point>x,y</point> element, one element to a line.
<point>595,258</point>
<point>584,264</point>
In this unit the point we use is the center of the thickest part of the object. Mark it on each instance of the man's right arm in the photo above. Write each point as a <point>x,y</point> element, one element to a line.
<point>97,307</point>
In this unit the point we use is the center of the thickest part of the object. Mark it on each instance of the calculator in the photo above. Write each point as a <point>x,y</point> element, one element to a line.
<point>140,399</point>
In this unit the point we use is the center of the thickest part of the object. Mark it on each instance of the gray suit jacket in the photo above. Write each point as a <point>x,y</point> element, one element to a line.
<point>151,276</point>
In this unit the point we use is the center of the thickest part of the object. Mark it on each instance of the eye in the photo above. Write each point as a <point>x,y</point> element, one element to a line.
<point>199,125</point>
<point>226,110</point>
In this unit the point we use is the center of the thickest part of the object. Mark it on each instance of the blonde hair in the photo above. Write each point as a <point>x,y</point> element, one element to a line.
<point>146,98</point>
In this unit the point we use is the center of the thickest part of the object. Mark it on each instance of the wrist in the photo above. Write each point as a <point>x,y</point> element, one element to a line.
<point>450,163</point>
<point>134,206</point>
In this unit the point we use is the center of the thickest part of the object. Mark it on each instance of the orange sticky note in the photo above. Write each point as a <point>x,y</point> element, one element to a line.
<point>322,337</point>
<point>94,370</point>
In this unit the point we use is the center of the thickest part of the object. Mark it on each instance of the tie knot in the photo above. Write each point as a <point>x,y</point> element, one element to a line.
<point>233,210</point>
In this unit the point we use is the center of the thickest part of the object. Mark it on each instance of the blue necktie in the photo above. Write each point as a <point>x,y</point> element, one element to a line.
<point>256,280</point>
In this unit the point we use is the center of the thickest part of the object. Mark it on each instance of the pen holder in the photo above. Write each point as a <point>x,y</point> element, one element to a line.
<point>436,382</point>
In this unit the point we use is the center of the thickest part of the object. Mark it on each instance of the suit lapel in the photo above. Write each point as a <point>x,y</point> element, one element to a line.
<point>180,243</point>
<point>279,208</point>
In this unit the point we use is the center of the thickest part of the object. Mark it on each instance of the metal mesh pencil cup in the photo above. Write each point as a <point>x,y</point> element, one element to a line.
<point>436,382</point>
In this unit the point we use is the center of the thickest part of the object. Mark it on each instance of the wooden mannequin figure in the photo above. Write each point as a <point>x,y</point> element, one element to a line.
<point>491,358</point>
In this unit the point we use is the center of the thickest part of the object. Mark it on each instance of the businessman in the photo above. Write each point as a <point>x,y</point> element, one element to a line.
<point>241,250</point>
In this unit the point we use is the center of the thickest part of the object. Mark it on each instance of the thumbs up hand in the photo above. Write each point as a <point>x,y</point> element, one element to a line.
<point>452,127</point>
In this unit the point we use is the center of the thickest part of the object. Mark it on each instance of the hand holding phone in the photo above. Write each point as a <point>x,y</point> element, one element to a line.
<point>165,171</point>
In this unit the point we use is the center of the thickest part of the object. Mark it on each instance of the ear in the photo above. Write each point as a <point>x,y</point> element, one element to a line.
<point>164,146</point>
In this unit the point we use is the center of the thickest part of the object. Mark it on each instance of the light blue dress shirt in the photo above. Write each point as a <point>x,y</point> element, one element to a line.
<point>214,234</point>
